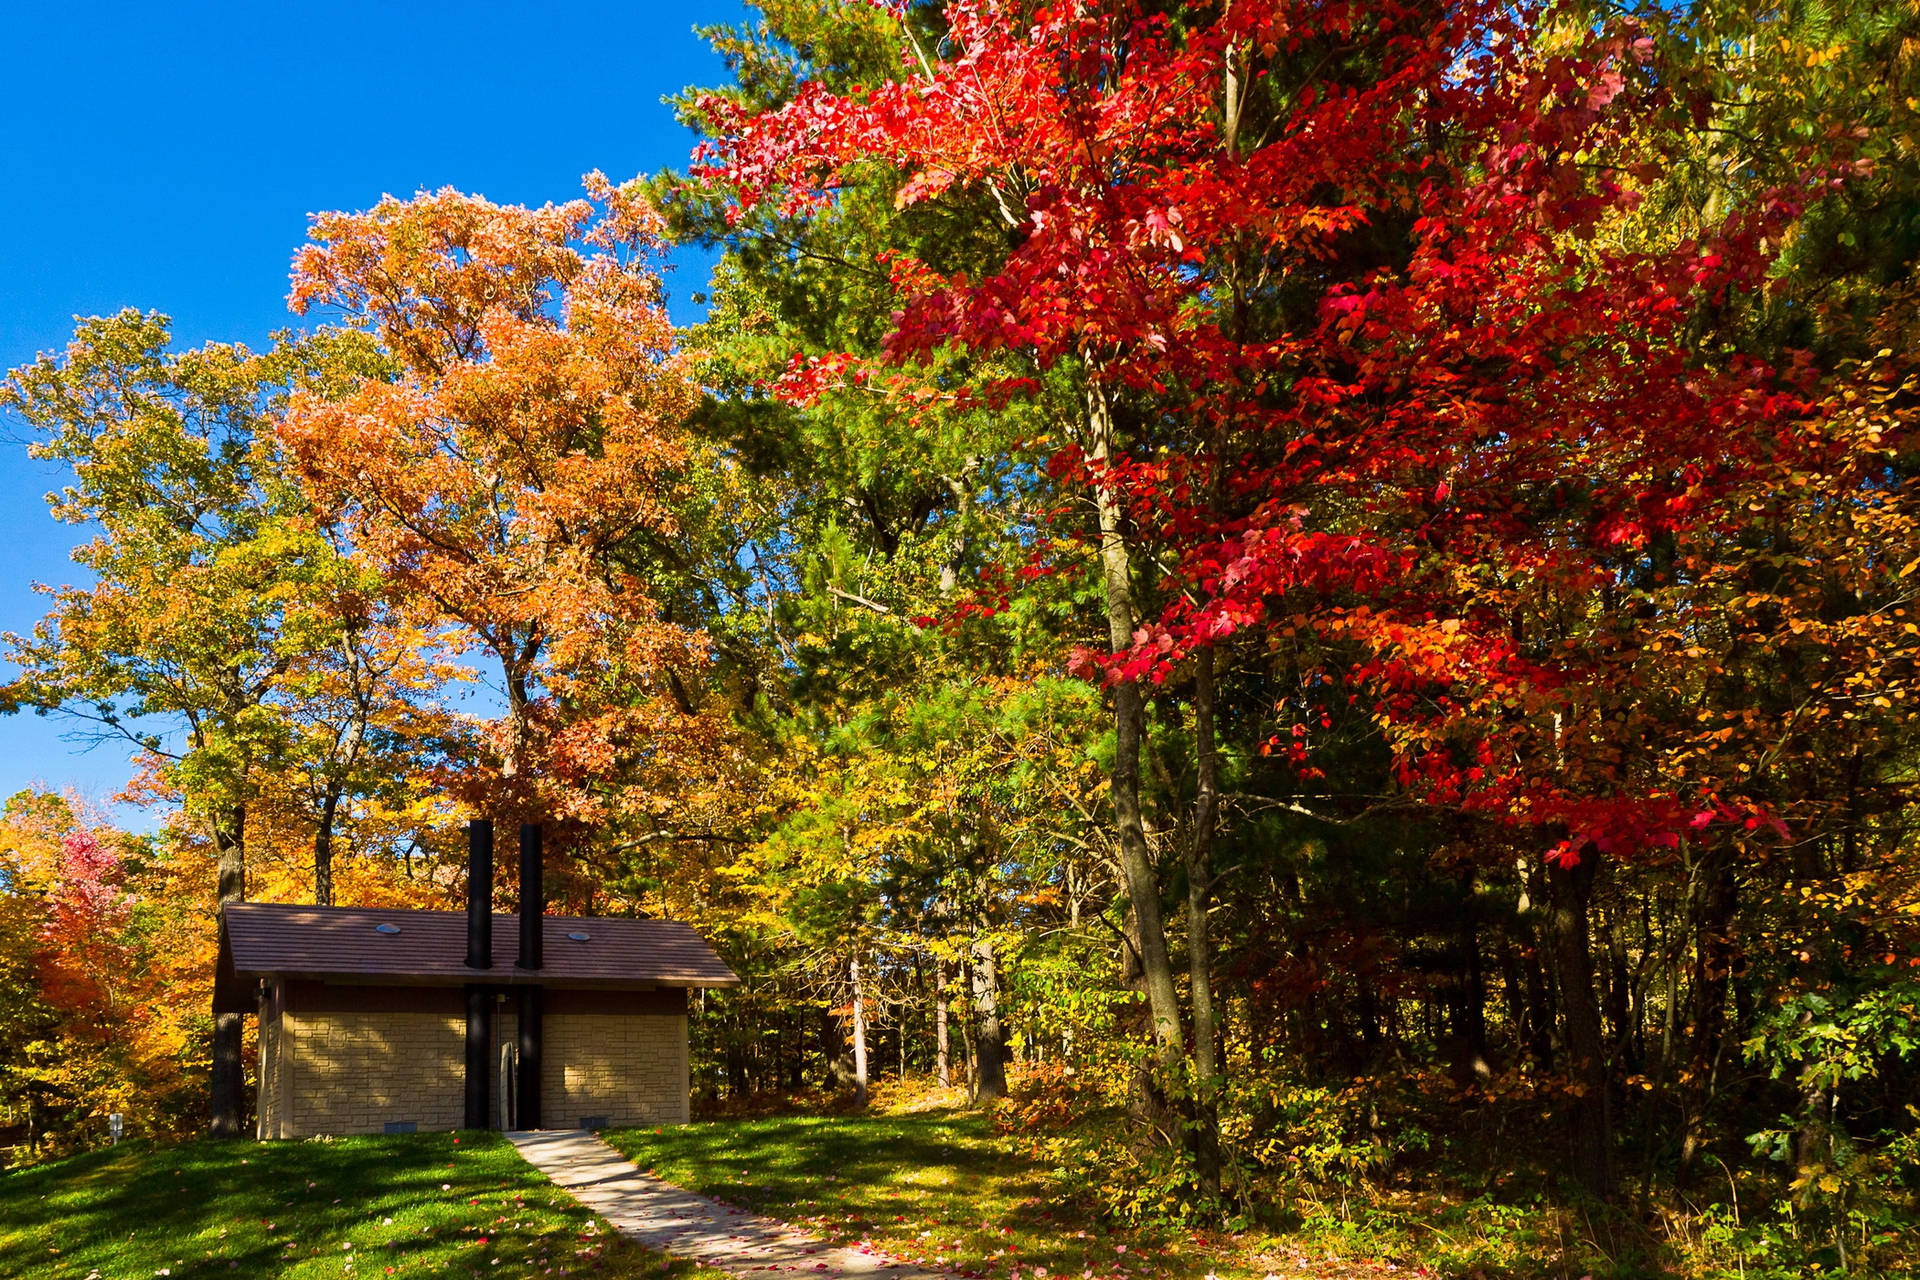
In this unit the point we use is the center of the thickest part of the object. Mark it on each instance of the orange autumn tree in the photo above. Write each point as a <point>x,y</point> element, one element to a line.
<point>515,477</point>
<point>365,722</point>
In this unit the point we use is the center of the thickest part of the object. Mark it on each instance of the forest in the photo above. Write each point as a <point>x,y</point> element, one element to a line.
<point>1312,601</point>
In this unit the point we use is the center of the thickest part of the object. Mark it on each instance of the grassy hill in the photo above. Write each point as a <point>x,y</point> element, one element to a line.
<point>939,1187</point>
<point>456,1205</point>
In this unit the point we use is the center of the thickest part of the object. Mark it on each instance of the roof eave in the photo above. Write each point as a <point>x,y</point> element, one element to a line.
<point>483,978</point>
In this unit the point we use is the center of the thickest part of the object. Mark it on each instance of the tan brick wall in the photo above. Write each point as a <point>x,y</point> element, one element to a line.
<point>630,1068</point>
<point>352,1060</point>
<point>356,1072</point>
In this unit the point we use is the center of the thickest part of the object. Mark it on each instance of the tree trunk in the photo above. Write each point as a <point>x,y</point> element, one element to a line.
<point>966,1038</point>
<point>1513,991</point>
<point>833,1046</point>
<point>1540,1006</point>
<point>1367,1010</point>
<point>323,849</point>
<point>1591,1118</point>
<point>225,1104</point>
<point>1205,1129</point>
<point>941,1063</point>
<point>345,756</point>
<point>1206,808</point>
<point>1813,1136</point>
<point>990,1063</point>
<point>1714,958</point>
<point>517,657</point>
<point>1469,1008</point>
<point>859,1038</point>
<point>737,1079</point>
<point>1620,1003</point>
<point>1136,859</point>
<point>1149,1104</point>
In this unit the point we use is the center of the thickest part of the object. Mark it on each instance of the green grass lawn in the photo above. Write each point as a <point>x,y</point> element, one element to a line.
<point>946,1188</point>
<point>430,1204</point>
<point>936,1187</point>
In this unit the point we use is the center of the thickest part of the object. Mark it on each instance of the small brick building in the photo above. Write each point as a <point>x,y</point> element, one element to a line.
<point>379,1021</point>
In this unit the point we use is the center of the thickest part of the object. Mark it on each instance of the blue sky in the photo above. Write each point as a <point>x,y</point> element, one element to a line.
<point>166,156</point>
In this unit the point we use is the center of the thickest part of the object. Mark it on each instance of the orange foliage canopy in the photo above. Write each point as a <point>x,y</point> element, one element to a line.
<point>527,449</point>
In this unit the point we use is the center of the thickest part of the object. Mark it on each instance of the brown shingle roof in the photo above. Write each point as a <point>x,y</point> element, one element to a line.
<point>263,939</point>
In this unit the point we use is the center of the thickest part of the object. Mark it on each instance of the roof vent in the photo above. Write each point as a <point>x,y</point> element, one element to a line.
<point>578,936</point>
<point>386,928</point>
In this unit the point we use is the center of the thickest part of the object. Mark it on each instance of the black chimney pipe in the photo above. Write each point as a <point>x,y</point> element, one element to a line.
<point>530,1006</point>
<point>480,894</point>
<point>530,998</point>
<point>533,898</point>
<point>479,956</point>
<point>479,1050</point>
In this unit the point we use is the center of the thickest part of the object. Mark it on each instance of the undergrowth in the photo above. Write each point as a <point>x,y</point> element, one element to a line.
<point>1374,1176</point>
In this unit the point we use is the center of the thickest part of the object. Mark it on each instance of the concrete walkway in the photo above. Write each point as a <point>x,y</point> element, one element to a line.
<point>662,1216</point>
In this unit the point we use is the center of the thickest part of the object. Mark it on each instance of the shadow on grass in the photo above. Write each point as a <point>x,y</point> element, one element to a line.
<point>417,1203</point>
<point>855,1151</point>
<point>910,1181</point>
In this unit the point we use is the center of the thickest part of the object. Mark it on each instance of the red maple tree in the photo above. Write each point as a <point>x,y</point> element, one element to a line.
<point>1375,357</point>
